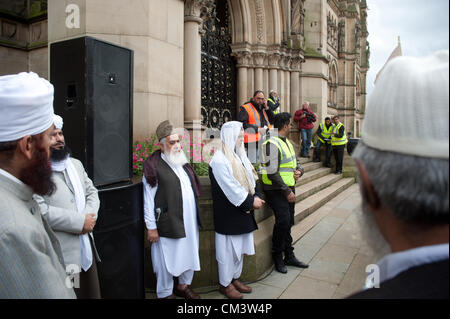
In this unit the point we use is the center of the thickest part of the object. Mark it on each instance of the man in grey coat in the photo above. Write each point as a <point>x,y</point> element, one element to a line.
<point>31,261</point>
<point>71,212</point>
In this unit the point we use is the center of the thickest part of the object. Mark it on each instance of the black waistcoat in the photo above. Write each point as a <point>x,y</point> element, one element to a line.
<point>169,200</point>
<point>229,219</point>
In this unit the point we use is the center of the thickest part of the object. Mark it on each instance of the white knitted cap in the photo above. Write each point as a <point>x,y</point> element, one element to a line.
<point>408,110</point>
<point>58,122</point>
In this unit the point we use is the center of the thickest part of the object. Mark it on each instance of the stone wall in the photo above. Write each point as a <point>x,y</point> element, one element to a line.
<point>153,29</point>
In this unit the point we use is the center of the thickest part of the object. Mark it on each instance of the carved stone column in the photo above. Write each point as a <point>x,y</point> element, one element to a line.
<point>243,62</point>
<point>195,13</point>
<point>295,84</point>
<point>258,59</point>
<point>274,60</point>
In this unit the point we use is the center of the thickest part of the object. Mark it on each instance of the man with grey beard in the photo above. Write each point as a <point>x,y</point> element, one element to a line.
<point>172,216</point>
<point>403,163</point>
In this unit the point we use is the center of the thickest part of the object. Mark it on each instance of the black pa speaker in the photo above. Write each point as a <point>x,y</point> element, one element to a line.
<point>119,238</point>
<point>93,83</point>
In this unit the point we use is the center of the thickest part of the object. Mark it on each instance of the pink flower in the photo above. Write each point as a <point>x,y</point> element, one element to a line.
<point>141,160</point>
<point>135,166</point>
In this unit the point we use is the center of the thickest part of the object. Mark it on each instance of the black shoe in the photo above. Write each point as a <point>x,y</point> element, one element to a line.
<point>293,261</point>
<point>279,265</point>
<point>338,172</point>
<point>328,165</point>
<point>317,160</point>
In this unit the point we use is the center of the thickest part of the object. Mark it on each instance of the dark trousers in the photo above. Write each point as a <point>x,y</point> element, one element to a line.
<point>328,151</point>
<point>339,156</point>
<point>284,220</point>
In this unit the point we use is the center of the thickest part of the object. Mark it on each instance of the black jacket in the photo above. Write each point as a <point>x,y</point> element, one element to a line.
<point>229,219</point>
<point>428,281</point>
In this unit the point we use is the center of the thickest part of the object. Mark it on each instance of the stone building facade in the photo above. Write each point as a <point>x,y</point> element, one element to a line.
<point>197,61</point>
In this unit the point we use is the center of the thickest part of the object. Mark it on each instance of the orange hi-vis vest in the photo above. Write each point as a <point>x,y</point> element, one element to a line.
<point>254,119</point>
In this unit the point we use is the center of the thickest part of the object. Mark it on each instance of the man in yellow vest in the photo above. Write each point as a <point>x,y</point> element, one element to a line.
<point>255,116</point>
<point>323,134</point>
<point>280,171</point>
<point>273,102</point>
<point>338,142</point>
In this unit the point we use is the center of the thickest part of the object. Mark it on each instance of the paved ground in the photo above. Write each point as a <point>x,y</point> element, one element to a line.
<point>333,248</point>
<point>330,242</point>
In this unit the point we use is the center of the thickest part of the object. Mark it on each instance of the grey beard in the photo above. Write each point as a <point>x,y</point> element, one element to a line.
<point>176,159</point>
<point>370,234</point>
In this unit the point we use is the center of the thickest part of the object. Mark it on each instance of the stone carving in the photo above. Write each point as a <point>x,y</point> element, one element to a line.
<point>332,32</point>
<point>341,36</point>
<point>36,32</point>
<point>274,60</point>
<point>9,30</point>
<point>357,36</point>
<point>297,17</point>
<point>244,58</point>
<point>258,59</point>
<point>203,10</point>
<point>259,8</point>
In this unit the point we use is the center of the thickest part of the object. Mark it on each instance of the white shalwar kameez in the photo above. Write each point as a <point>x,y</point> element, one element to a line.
<point>230,249</point>
<point>174,257</point>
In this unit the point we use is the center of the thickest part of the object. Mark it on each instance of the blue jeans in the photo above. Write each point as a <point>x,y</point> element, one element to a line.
<point>306,141</point>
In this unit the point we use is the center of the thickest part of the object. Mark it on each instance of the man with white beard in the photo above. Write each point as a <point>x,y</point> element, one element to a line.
<point>172,215</point>
<point>403,166</point>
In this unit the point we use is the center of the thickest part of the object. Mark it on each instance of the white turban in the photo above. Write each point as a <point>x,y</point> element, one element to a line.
<point>407,112</point>
<point>26,106</point>
<point>58,121</point>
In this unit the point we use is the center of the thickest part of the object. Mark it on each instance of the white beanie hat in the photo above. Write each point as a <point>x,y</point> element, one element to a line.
<point>408,110</point>
<point>26,106</point>
<point>58,121</point>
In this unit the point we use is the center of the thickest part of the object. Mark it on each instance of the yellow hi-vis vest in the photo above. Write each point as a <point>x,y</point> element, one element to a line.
<point>287,164</point>
<point>339,141</point>
<point>325,132</point>
<point>277,110</point>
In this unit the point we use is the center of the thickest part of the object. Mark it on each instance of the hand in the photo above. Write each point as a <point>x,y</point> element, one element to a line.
<point>291,197</point>
<point>303,116</point>
<point>89,223</point>
<point>258,202</point>
<point>262,130</point>
<point>152,235</point>
<point>297,174</point>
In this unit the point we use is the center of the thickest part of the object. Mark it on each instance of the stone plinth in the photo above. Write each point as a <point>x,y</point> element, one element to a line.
<point>254,266</point>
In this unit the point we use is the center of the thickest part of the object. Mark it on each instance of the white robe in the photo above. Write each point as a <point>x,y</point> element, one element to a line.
<point>179,254</point>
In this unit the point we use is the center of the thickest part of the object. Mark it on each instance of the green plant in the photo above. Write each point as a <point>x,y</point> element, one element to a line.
<point>142,150</point>
<point>198,155</point>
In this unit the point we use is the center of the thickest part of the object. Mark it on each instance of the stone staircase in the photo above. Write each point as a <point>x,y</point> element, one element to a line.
<point>315,188</point>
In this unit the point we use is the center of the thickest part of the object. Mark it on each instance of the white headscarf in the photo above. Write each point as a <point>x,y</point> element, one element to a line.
<point>26,105</point>
<point>222,167</point>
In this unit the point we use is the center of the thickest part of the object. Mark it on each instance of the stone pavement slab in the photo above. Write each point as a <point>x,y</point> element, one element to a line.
<point>308,288</point>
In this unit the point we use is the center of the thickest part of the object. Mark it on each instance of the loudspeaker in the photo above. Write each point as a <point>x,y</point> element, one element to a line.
<point>119,238</point>
<point>93,83</point>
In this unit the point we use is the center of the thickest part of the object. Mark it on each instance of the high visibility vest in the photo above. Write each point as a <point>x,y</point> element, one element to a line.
<point>277,110</point>
<point>254,119</point>
<point>325,132</point>
<point>339,141</point>
<point>287,164</point>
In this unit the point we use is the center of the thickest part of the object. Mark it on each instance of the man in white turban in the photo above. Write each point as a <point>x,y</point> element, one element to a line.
<point>403,166</point>
<point>31,263</point>
<point>235,195</point>
<point>71,212</point>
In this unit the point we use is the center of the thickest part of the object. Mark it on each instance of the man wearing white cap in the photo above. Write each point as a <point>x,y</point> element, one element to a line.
<point>403,168</point>
<point>31,261</point>
<point>71,212</point>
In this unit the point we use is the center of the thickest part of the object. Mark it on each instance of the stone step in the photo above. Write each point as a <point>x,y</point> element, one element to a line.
<point>313,175</point>
<point>304,160</point>
<point>313,202</point>
<point>310,166</point>
<point>308,189</point>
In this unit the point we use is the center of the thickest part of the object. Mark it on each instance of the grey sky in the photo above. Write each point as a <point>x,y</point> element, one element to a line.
<point>421,24</point>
